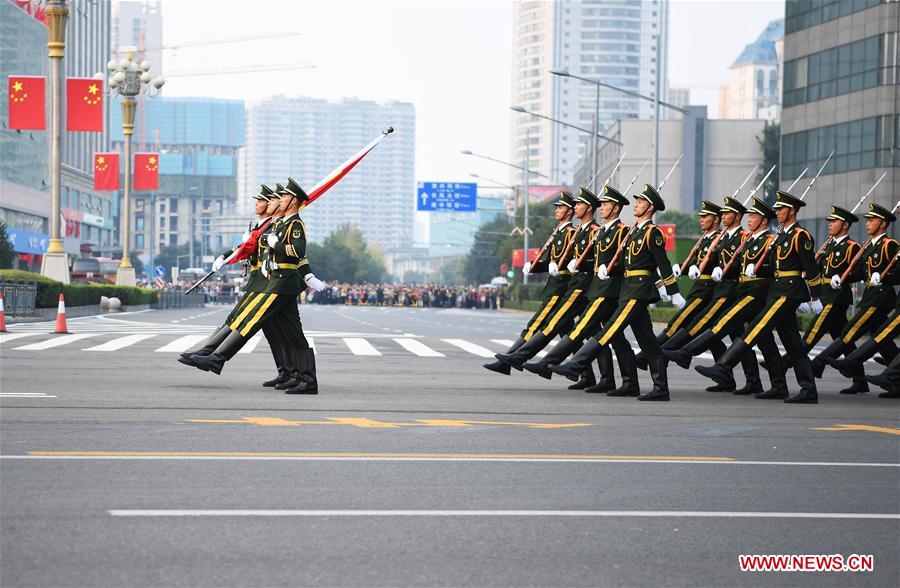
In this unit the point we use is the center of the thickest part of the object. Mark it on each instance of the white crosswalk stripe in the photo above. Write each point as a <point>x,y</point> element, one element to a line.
<point>360,346</point>
<point>182,344</point>
<point>7,337</point>
<point>120,343</point>
<point>417,347</point>
<point>472,348</point>
<point>58,341</point>
<point>251,344</point>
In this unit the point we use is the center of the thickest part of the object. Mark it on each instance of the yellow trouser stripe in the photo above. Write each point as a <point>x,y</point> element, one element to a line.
<point>701,324</point>
<point>765,320</point>
<point>262,310</point>
<point>723,322</point>
<point>617,324</point>
<point>859,324</point>
<point>586,318</point>
<point>537,322</point>
<point>561,312</point>
<point>891,328</point>
<point>684,314</point>
<point>817,326</point>
<point>248,306</point>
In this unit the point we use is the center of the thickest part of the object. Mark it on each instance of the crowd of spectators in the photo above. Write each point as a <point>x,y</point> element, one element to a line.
<point>411,295</point>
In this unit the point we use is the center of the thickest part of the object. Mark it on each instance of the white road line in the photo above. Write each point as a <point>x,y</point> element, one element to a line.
<point>506,513</point>
<point>7,337</point>
<point>312,344</point>
<point>57,341</point>
<point>470,347</point>
<point>119,343</point>
<point>181,343</point>
<point>251,344</point>
<point>359,346</point>
<point>25,395</point>
<point>417,347</point>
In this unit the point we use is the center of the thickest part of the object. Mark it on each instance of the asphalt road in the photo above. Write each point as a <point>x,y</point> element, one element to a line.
<point>415,466</point>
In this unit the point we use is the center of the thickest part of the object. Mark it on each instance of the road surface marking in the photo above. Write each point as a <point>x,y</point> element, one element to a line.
<point>470,347</point>
<point>359,346</point>
<point>507,513</point>
<point>7,337</point>
<point>417,347</point>
<point>312,343</point>
<point>119,343</point>
<point>251,344</point>
<point>25,395</point>
<point>373,424</point>
<point>886,430</point>
<point>55,342</point>
<point>181,344</point>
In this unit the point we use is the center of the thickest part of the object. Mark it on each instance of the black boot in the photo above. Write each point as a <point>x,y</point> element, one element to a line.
<point>778,391</point>
<point>279,355</point>
<point>852,363</point>
<point>296,359</point>
<point>721,372</point>
<point>587,379</point>
<point>573,368</point>
<point>858,386</point>
<point>215,361</point>
<point>208,346</point>
<point>607,381</point>
<point>625,357</point>
<point>558,354</point>
<point>804,371</point>
<point>308,383</point>
<point>751,372</point>
<point>528,350</point>
<point>657,365</point>
<point>835,349</point>
<point>691,348</point>
<point>640,360</point>
<point>500,367</point>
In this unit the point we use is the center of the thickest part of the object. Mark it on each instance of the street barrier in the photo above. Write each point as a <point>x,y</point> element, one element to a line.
<point>178,300</point>
<point>19,297</point>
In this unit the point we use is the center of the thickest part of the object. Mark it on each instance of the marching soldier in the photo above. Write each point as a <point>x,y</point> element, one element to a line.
<point>645,257</point>
<point>879,298</point>
<point>852,364</point>
<point>749,299</point>
<point>574,300</point>
<point>285,264</point>
<point>602,300</point>
<point>794,256</point>
<point>548,259</point>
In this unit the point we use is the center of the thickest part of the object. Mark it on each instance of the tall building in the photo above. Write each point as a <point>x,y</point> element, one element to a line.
<point>753,89</point>
<point>306,138</point>
<point>88,216</point>
<point>841,93</point>
<point>612,41</point>
<point>198,140</point>
<point>452,233</point>
<point>138,23</point>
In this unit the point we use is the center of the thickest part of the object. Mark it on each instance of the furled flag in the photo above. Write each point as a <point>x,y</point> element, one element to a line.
<point>106,171</point>
<point>668,232</point>
<point>27,103</point>
<point>84,105</point>
<point>146,171</point>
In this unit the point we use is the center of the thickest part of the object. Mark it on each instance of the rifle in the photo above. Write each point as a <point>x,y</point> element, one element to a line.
<point>608,180</point>
<point>858,255</point>
<point>544,248</point>
<point>759,185</point>
<point>861,200</point>
<point>612,173</point>
<point>747,179</point>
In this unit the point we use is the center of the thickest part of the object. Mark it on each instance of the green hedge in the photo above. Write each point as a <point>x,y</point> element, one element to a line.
<point>48,291</point>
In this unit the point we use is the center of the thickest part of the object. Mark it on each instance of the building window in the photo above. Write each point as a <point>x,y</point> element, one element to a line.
<point>802,14</point>
<point>139,241</point>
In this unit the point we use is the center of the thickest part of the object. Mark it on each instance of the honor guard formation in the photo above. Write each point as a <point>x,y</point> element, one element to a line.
<point>747,285</point>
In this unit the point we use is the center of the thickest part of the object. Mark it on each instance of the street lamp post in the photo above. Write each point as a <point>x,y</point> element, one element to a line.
<point>54,264</point>
<point>129,78</point>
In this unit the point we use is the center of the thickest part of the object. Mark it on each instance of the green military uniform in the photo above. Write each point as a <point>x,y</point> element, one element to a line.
<point>883,341</point>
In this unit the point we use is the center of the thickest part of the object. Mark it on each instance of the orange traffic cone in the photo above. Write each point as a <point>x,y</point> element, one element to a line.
<point>2,315</point>
<point>61,327</point>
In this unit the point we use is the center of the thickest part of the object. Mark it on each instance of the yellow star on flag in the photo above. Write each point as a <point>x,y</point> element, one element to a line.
<point>101,159</point>
<point>92,89</point>
<point>17,86</point>
<point>152,160</point>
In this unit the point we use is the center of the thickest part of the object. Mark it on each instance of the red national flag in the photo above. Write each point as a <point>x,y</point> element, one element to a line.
<point>146,171</point>
<point>27,103</point>
<point>84,105</point>
<point>106,171</point>
<point>668,232</point>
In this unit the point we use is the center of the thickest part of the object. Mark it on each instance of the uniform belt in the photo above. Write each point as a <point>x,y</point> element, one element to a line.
<point>255,266</point>
<point>281,266</point>
<point>791,274</point>
<point>746,279</point>
<point>705,277</point>
<point>565,273</point>
<point>635,273</point>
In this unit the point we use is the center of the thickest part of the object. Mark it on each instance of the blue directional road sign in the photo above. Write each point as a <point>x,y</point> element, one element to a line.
<point>160,271</point>
<point>447,196</point>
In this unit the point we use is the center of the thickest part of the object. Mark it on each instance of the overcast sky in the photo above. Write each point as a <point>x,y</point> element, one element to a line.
<point>451,59</point>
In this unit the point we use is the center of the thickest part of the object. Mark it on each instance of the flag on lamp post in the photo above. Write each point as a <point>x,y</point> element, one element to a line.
<point>84,105</point>
<point>146,171</point>
<point>106,171</point>
<point>27,103</point>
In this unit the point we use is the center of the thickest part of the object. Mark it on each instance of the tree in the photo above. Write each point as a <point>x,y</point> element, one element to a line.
<point>168,256</point>
<point>770,143</point>
<point>7,254</point>
<point>685,223</point>
<point>344,256</point>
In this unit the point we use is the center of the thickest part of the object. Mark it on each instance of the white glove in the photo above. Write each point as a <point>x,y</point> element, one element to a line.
<point>804,307</point>
<point>835,282</point>
<point>526,269</point>
<point>717,274</point>
<point>245,236</point>
<point>750,270</point>
<point>693,272</point>
<point>676,270</point>
<point>572,266</point>
<point>218,263</point>
<point>678,300</point>
<point>272,239</point>
<point>875,279</point>
<point>663,294</point>
<point>602,272</point>
<point>314,282</point>
<point>264,270</point>
<point>815,306</point>
<point>553,269</point>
